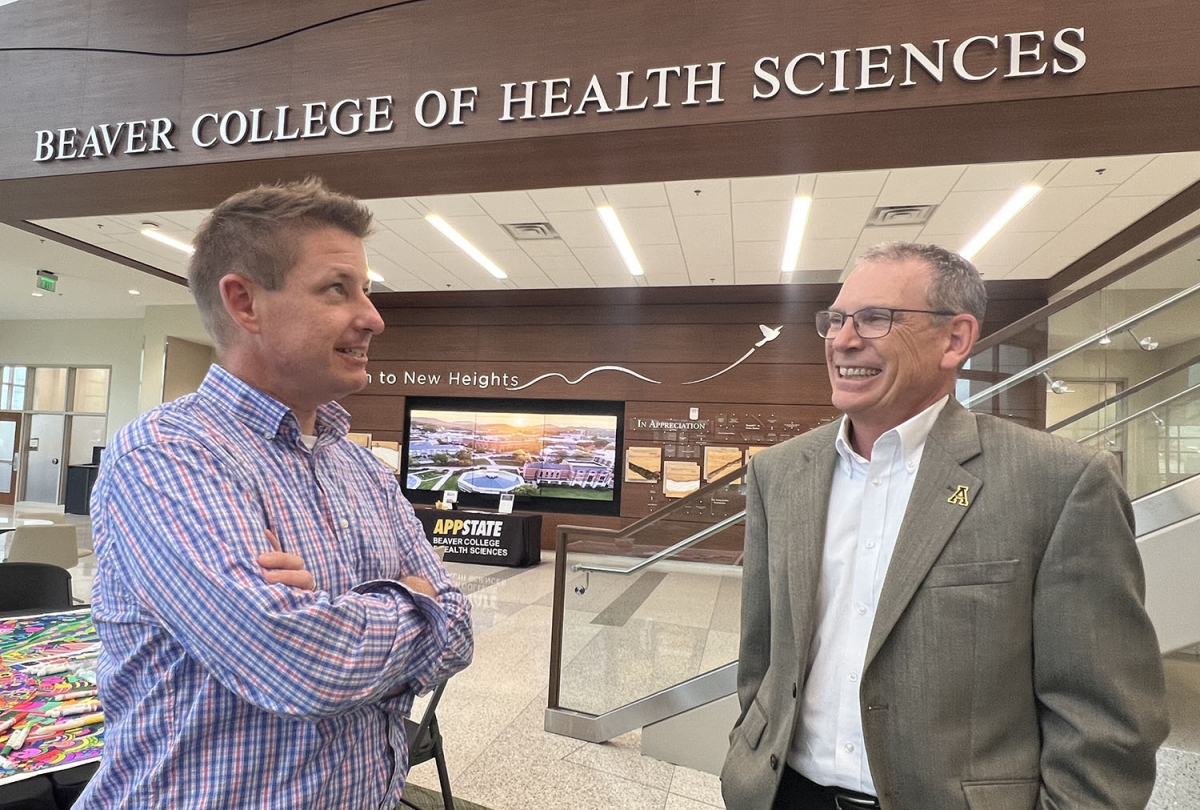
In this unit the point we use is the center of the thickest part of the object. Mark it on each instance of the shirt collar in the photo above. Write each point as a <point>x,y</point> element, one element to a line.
<point>264,414</point>
<point>912,434</point>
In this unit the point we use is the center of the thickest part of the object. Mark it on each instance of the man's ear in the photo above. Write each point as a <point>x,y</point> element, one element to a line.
<point>964,330</point>
<point>239,295</point>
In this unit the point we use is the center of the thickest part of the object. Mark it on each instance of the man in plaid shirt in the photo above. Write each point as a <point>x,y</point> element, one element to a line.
<point>267,602</point>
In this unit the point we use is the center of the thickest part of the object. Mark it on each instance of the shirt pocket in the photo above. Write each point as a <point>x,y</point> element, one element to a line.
<point>973,573</point>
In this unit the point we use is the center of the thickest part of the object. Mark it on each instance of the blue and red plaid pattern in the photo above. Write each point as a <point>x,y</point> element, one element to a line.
<point>221,690</point>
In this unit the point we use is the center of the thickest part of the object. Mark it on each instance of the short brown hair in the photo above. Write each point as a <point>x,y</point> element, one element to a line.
<point>255,234</point>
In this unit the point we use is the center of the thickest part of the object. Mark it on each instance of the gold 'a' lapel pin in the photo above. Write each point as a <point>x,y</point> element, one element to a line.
<point>960,495</point>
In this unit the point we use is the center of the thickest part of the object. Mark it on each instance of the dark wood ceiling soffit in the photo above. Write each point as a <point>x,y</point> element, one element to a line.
<point>1173,210</point>
<point>95,250</point>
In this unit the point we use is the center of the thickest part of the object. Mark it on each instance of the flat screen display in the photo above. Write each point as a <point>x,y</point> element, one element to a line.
<point>551,455</point>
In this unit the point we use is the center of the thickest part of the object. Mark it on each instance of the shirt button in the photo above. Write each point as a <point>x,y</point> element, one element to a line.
<point>862,610</point>
<point>854,678</point>
<point>268,435</point>
<point>849,748</point>
<point>877,482</point>
<point>344,523</point>
<point>870,544</point>
<point>911,466</point>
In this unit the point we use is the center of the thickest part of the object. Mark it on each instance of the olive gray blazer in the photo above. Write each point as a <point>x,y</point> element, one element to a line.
<point>1011,664</point>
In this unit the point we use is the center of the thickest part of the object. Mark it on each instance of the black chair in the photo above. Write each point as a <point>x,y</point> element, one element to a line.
<point>425,743</point>
<point>34,586</point>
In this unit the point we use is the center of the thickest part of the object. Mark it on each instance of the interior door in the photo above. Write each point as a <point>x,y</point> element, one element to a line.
<point>44,458</point>
<point>10,432</point>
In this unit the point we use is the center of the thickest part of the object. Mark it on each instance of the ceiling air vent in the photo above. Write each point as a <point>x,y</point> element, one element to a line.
<point>528,231</point>
<point>900,215</point>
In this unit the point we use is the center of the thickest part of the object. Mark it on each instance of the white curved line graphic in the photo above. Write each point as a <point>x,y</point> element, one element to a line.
<point>585,374</point>
<point>722,371</point>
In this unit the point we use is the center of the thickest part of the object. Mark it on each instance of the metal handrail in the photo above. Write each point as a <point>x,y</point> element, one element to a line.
<point>1142,412</point>
<point>688,542</point>
<point>1128,392</point>
<point>1037,368</point>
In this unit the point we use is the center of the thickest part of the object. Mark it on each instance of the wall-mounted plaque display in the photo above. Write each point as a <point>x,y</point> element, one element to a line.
<point>361,439</point>
<point>643,464</point>
<point>680,478</point>
<point>721,460</point>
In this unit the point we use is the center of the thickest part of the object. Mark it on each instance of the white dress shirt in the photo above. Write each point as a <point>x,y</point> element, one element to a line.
<point>867,502</point>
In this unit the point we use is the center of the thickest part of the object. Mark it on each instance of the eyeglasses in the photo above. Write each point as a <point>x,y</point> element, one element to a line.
<point>871,322</point>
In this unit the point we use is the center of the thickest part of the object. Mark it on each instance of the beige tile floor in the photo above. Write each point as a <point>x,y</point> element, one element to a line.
<point>492,713</point>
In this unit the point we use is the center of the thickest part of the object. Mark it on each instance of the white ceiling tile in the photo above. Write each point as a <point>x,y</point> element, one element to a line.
<point>77,229</point>
<point>601,261</point>
<point>825,254</point>
<point>706,240</point>
<point>509,207</point>
<point>660,260</point>
<point>990,176</point>
<point>553,200</point>
<point>926,186</point>
<point>580,229</point>
<point>704,275</point>
<point>668,280</point>
<point>614,280</point>
<point>849,184</point>
<point>461,266</point>
<point>1055,208</point>
<point>760,189</point>
<point>765,277</point>
<point>965,212</point>
<point>1009,248</point>
<point>483,233</point>
<point>1166,174</point>
<point>712,197</point>
<point>636,195</point>
<point>649,226</point>
<point>1087,171</point>
<point>544,247</point>
<point>761,221</point>
<point>420,234</point>
<point>451,205</point>
<point>392,208</point>
<point>516,262</point>
<point>556,264</point>
<point>838,217</point>
<point>757,257</point>
<point>183,220</point>
<point>571,280</point>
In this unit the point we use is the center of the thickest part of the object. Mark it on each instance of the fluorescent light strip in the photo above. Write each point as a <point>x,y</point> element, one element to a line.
<point>1003,217</point>
<point>609,217</point>
<point>159,236</point>
<point>466,247</point>
<point>371,274</point>
<point>797,222</point>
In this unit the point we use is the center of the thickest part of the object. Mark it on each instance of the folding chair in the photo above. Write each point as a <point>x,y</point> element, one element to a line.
<point>55,545</point>
<point>425,743</point>
<point>33,586</point>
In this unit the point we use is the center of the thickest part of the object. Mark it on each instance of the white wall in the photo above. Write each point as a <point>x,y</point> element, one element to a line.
<point>116,343</point>
<point>159,324</point>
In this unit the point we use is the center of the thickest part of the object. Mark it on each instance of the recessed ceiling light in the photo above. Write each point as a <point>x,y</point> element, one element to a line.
<point>150,229</point>
<point>465,246</point>
<point>609,217</point>
<point>37,295</point>
<point>135,292</point>
<point>797,222</point>
<point>1003,217</point>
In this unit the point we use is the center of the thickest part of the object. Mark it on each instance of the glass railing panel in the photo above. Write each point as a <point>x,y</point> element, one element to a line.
<point>1104,343</point>
<point>1156,445</point>
<point>626,637</point>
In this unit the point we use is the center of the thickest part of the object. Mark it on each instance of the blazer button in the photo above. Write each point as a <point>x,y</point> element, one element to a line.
<point>793,690</point>
<point>774,762</point>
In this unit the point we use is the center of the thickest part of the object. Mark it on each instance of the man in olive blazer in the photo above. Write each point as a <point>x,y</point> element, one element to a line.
<point>1010,664</point>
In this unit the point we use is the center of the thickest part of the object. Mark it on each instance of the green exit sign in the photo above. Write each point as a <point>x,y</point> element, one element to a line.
<point>46,281</point>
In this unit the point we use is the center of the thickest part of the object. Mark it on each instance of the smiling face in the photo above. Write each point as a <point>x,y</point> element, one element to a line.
<point>882,382</point>
<point>306,342</point>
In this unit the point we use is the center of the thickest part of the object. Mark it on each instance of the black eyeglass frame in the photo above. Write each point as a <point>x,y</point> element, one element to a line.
<point>853,316</point>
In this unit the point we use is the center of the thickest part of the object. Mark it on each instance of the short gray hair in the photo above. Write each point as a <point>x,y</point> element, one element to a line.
<point>956,285</point>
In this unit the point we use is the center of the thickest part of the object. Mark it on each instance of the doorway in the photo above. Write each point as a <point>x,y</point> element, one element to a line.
<point>10,434</point>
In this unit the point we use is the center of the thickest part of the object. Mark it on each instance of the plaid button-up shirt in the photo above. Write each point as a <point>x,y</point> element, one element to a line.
<point>220,690</point>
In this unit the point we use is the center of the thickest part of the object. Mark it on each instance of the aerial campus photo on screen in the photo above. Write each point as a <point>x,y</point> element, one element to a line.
<point>545,455</point>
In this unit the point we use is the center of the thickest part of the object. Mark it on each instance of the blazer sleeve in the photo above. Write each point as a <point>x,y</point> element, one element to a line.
<point>1097,667</point>
<point>755,649</point>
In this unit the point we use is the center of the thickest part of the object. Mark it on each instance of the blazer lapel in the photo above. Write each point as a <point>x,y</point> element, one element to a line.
<point>934,511</point>
<point>812,480</point>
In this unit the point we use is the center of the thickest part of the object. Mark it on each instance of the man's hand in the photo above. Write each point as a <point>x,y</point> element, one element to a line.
<point>420,585</point>
<point>280,568</point>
